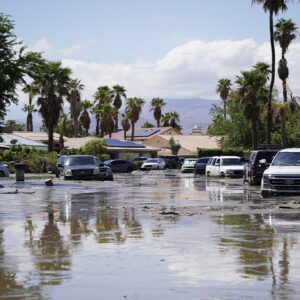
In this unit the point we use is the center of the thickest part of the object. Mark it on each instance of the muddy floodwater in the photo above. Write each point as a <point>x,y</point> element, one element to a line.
<point>151,235</point>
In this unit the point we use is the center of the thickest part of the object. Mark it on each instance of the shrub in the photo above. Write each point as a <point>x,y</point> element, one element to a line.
<point>95,147</point>
<point>203,152</point>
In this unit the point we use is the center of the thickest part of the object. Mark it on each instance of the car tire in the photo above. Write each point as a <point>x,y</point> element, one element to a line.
<point>129,170</point>
<point>208,174</point>
<point>171,166</point>
<point>110,178</point>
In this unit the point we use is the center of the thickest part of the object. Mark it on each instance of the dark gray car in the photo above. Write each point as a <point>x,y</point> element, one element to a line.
<point>121,165</point>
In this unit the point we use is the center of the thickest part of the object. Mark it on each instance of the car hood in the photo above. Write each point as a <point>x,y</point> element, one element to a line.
<point>283,170</point>
<point>224,168</point>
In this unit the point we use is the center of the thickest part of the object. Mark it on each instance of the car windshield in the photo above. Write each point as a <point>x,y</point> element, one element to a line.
<point>151,160</point>
<point>80,161</point>
<point>203,160</point>
<point>190,161</point>
<point>287,159</point>
<point>231,162</point>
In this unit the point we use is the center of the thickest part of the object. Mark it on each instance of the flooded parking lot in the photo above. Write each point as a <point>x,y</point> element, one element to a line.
<point>152,235</point>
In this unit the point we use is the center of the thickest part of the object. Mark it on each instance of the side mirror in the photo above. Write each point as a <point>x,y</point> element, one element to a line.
<point>60,165</point>
<point>262,161</point>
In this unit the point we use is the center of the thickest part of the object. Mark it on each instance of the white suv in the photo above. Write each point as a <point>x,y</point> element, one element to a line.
<point>283,175</point>
<point>226,166</point>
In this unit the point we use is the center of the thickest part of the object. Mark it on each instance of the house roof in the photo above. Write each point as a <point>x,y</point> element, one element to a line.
<point>191,142</point>
<point>10,139</point>
<point>37,136</point>
<point>142,134</point>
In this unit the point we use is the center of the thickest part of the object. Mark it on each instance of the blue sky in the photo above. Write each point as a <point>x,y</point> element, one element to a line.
<point>165,48</point>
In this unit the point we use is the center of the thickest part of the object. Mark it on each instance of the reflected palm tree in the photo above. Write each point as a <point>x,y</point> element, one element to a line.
<point>133,226</point>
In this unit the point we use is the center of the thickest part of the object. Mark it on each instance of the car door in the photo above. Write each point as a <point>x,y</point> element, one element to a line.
<point>209,168</point>
<point>216,167</point>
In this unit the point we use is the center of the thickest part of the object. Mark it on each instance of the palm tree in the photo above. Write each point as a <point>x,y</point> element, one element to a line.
<point>108,114</point>
<point>74,98</point>
<point>134,108</point>
<point>125,123</point>
<point>156,106</point>
<point>284,34</point>
<point>174,119</point>
<point>147,125</point>
<point>223,88</point>
<point>252,93</point>
<point>263,68</point>
<point>103,95</point>
<point>53,82</point>
<point>273,7</point>
<point>166,119</point>
<point>96,110</point>
<point>32,90</point>
<point>61,128</point>
<point>30,109</point>
<point>118,92</point>
<point>85,117</point>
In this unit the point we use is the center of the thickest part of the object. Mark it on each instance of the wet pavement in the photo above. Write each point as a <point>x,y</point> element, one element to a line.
<point>151,235</point>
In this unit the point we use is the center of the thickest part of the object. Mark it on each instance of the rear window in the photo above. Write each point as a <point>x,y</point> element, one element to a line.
<point>268,156</point>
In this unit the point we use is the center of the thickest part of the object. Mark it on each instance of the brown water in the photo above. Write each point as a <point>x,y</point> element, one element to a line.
<point>156,235</point>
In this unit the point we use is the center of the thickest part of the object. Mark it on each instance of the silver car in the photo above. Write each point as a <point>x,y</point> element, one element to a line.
<point>4,170</point>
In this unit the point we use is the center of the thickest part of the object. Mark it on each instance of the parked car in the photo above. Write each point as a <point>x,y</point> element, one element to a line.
<point>283,174</point>
<point>172,161</point>
<point>4,170</point>
<point>200,165</point>
<point>120,165</point>
<point>85,167</point>
<point>259,160</point>
<point>188,165</point>
<point>59,166</point>
<point>226,166</point>
<point>153,164</point>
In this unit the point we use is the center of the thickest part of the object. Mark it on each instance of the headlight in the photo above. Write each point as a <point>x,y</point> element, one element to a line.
<point>266,181</point>
<point>68,172</point>
<point>96,171</point>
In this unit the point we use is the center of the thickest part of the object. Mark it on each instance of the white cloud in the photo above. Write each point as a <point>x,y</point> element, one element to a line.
<point>73,49</point>
<point>187,71</point>
<point>42,46</point>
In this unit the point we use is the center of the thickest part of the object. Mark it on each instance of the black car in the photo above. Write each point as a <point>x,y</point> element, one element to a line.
<point>172,161</point>
<point>121,165</point>
<point>200,165</point>
<point>259,160</point>
<point>85,167</point>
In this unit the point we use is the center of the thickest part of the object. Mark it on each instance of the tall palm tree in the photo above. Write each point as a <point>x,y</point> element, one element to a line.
<point>30,109</point>
<point>174,119</point>
<point>61,128</point>
<point>53,82</point>
<point>263,68</point>
<point>134,108</point>
<point>74,98</point>
<point>223,88</point>
<point>252,93</point>
<point>118,92</point>
<point>108,114</point>
<point>156,106</point>
<point>85,117</point>
<point>285,33</point>
<point>32,90</point>
<point>166,119</point>
<point>125,123</point>
<point>273,7</point>
<point>96,110</point>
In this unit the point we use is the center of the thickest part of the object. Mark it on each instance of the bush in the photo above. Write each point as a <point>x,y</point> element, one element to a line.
<point>203,152</point>
<point>97,148</point>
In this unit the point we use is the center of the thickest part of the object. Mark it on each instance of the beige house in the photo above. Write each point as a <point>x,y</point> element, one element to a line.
<point>143,134</point>
<point>115,148</point>
<point>41,137</point>
<point>189,143</point>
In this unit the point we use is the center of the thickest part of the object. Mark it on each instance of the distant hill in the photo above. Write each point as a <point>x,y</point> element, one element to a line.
<point>192,112</point>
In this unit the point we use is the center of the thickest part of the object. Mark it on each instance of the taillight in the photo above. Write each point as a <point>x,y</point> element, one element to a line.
<point>253,167</point>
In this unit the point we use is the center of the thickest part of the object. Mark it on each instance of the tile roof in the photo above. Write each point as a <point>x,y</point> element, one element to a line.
<point>37,136</point>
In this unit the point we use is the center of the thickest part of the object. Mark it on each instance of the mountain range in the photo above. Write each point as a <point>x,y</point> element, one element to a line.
<point>193,112</point>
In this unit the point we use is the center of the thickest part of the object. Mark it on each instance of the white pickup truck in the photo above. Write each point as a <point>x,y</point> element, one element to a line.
<point>225,166</point>
<point>283,175</point>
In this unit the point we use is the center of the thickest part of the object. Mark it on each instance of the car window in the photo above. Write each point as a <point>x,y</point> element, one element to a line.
<point>213,161</point>
<point>203,160</point>
<point>287,159</point>
<point>231,162</point>
<point>268,156</point>
<point>97,161</point>
<point>217,162</point>
<point>80,160</point>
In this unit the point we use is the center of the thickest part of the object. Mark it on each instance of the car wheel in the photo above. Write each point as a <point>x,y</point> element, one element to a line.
<point>171,166</point>
<point>110,178</point>
<point>264,194</point>
<point>208,174</point>
<point>157,168</point>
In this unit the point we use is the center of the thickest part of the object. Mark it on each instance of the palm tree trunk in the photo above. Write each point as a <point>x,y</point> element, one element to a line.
<point>125,135</point>
<point>224,102</point>
<point>29,122</point>
<point>254,134</point>
<point>86,131</point>
<point>132,131</point>
<point>116,121</point>
<point>269,125</point>
<point>50,138</point>
<point>284,90</point>
<point>158,122</point>
<point>97,127</point>
<point>61,141</point>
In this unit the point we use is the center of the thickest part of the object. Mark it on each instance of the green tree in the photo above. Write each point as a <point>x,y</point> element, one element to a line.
<point>148,125</point>
<point>108,114</point>
<point>14,64</point>
<point>53,82</point>
<point>118,93</point>
<point>134,108</point>
<point>156,107</point>
<point>223,88</point>
<point>85,117</point>
<point>96,147</point>
<point>272,7</point>
<point>175,147</point>
<point>125,123</point>
<point>75,105</point>
<point>30,109</point>
<point>62,128</point>
<point>251,88</point>
<point>15,125</point>
<point>96,110</point>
